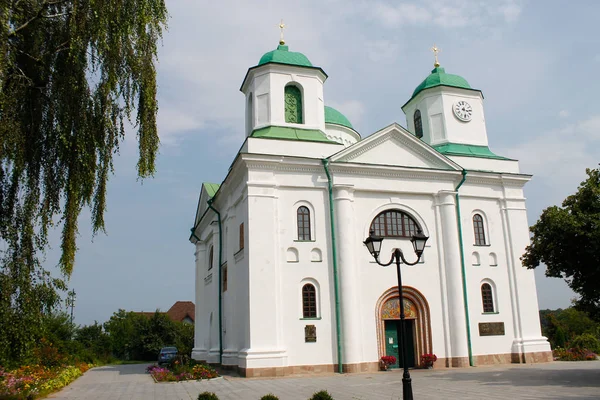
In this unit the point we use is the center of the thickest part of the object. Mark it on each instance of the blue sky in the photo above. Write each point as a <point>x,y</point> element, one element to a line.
<point>536,63</point>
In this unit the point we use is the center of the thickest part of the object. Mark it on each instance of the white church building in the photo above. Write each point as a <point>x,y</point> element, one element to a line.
<point>284,283</point>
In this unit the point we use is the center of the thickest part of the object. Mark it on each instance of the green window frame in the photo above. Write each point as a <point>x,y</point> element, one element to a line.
<point>293,105</point>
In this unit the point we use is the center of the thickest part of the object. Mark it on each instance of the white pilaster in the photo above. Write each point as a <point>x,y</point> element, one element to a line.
<point>452,262</point>
<point>200,351</point>
<point>349,287</point>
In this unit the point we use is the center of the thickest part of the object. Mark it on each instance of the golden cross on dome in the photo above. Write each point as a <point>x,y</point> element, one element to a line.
<point>282,27</point>
<point>435,50</point>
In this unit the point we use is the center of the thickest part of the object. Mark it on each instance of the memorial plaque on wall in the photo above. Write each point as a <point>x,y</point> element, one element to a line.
<point>310,333</point>
<point>491,329</point>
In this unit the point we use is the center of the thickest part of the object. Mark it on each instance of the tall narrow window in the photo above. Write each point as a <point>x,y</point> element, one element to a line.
<point>293,105</point>
<point>486,298</point>
<point>241,236</point>
<point>418,124</point>
<point>224,277</point>
<point>479,230</point>
<point>394,223</point>
<point>309,301</point>
<point>303,223</point>
<point>211,255</point>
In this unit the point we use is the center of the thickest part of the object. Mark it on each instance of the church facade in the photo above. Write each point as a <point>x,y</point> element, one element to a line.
<point>284,283</point>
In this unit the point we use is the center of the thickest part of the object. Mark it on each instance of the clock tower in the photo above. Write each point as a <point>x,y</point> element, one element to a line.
<point>445,110</point>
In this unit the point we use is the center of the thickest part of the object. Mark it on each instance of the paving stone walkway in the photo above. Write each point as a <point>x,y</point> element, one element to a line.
<point>557,380</point>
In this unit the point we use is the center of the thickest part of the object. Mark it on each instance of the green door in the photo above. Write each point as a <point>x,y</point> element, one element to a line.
<point>392,344</point>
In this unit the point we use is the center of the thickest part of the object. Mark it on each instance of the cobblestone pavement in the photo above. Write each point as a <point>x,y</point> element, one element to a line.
<point>557,380</point>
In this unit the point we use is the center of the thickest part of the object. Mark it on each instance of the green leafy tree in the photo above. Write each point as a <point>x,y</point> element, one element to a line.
<point>123,331</point>
<point>567,240</point>
<point>72,72</point>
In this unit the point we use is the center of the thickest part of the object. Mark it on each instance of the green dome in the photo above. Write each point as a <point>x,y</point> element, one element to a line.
<point>439,77</point>
<point>282,56</point>
<point>333,116</point>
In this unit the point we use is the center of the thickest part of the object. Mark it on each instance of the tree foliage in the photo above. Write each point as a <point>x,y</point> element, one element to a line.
<point>567,240</point>
<point>135,336</point>
<point>72,72</point>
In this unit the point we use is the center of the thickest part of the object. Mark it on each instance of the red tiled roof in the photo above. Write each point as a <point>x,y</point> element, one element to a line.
<point>182,309</point>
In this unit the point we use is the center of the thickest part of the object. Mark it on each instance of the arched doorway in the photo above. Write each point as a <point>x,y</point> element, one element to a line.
<point>418,324</point>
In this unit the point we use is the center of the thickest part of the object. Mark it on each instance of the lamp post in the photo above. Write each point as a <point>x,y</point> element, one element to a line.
<point>373,244</point>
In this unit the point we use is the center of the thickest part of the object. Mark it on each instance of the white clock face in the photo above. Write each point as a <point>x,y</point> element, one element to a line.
<point>463,110</point>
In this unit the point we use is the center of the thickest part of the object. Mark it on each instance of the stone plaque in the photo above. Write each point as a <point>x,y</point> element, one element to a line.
<point>491,329</point>
<point>310,333</point>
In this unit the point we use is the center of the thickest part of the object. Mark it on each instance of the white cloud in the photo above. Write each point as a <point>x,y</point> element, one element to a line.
<point>352,109</point>
<point>445,13</point>
<point>564,113</point>
<point>560,157</point>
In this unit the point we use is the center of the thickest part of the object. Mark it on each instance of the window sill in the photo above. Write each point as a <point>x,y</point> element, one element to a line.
<point>482,245</point>
<point>304,241</point>
<point>239,255</point>
<point>310,319</point>
<point>490,313</point>
<point>494,265</point>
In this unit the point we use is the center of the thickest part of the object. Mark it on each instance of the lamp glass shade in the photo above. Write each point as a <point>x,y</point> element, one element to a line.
<point>373,244</point>
<point>418,241</point>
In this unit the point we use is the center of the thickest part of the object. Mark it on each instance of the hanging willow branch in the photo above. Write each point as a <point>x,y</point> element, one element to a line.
<point>71,72</point>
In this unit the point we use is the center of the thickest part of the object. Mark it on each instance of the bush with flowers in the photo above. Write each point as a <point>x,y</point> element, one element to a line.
<point>32,381</point>
<point>427,360</point>
<point>573,354</point>
<point>182,368</point>
<point>386,361</point>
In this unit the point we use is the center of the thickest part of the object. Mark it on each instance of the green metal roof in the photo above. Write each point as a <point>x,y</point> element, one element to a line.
<point>282,55</point>
<point>333,116</point>
<point>211,188</point>
<point>439,77</point>
<point>286,133</point>
<point>459,149</point>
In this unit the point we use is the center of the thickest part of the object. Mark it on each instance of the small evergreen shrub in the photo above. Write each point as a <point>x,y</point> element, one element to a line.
<point>208,396</point>
<point>586,341</point>
<point>321,395</point>
<point>269,396</point>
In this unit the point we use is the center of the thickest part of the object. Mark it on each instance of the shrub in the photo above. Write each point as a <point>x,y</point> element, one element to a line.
<point>269,396</point>
<point>321,395</point>
<point>586,341</point>
<point>208,396</point>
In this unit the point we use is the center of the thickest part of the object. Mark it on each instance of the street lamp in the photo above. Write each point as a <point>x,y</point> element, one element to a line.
<point>373,244</point>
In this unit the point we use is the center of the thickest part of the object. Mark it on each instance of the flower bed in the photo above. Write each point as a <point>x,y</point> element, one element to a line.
<point>573,354</point>
<point>29,382</point>
<point>181,370</point>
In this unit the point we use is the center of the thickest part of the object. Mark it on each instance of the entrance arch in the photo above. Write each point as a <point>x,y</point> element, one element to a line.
<point>416,308</point>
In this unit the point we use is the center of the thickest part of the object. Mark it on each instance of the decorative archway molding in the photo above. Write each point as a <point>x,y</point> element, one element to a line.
<point>422,319</point>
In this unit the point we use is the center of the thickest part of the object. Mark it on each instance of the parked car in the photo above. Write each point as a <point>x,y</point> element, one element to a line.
<point>166,354</point>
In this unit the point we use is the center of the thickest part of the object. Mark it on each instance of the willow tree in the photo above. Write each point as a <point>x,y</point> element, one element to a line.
<point>72,72</point>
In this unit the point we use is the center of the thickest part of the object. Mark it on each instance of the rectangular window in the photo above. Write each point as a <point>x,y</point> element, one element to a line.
<point>241,236</point>
<point>224,277</point>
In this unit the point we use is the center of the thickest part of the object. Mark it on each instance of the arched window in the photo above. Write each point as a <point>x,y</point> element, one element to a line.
<point>211,255</point>
<point>418,124</point>
<point>303,214</point>
<point>394,223</point>
<point>486,298</point>
<point>309,301</point>
<point>293,105</point>
<point>478,230</point>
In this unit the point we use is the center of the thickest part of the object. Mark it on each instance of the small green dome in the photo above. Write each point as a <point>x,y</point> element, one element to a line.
<point>439,77</point>
<point>333,116</point>
<point>283,56</point>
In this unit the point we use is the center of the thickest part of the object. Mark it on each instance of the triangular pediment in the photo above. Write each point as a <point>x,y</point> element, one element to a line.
<point>206,193</point>
<point>395,146</point>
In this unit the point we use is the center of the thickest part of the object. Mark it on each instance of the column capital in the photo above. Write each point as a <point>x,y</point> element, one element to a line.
<point>343,192</point>
<point>445,198</point>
